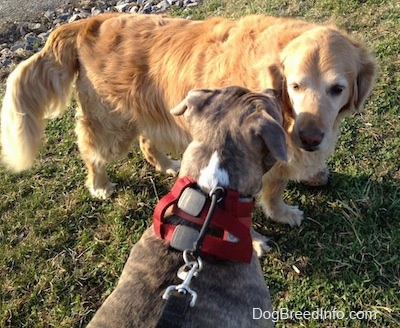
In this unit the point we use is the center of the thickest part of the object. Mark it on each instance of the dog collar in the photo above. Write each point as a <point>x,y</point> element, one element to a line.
<point>232,217</point>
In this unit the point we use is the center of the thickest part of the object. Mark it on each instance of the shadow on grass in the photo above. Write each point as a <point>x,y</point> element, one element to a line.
<point>344,255</point>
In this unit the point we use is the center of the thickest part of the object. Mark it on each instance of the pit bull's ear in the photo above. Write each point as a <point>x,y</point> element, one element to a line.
<point>274,137</point>
<point>194,100</point>
<point>271,92</point>
<point>266,124</point>
<point>180,108</point>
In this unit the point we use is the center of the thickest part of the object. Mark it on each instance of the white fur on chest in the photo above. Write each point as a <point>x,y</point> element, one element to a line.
<point>213,175</point>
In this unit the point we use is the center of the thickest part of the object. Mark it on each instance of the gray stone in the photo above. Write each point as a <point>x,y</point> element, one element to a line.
<point>64,17</point>
<point>122,7</point>
<point>32,38</point>
<point>16,46</point>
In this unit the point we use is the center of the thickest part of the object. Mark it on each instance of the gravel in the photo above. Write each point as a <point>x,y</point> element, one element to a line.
<point>21,39</point>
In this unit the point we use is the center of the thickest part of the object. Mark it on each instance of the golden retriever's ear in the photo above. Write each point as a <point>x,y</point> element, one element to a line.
<point>275,79</point>
<point>365,78</point>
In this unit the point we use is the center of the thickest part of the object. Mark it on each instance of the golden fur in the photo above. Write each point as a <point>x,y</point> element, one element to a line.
<point>131,69</point>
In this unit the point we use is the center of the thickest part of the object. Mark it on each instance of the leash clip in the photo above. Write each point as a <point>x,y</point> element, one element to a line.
<point>186,276</point>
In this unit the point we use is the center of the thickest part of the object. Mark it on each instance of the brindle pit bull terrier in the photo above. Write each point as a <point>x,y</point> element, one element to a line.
<point>237,137</point>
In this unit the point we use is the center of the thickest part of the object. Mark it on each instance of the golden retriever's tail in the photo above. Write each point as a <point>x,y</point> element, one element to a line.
<point>38,89</point>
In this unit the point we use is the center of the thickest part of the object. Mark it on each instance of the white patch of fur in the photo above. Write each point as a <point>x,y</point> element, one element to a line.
<point>213,175</point>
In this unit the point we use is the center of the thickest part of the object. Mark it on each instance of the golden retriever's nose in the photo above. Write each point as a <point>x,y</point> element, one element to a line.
<point>311,138</point>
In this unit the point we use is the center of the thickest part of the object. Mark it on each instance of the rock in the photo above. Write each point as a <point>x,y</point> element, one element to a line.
<point>96,11</point>
<point>32,38</point>
<point>16,46</point>
<point>37,27</point>
<point>50,15</point>
<point>6,62</point>
<point>122,7</point>
<point>64,17</point>
<point>134,9</point>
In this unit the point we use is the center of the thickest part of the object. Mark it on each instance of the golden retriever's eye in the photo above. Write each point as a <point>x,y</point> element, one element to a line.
<point>336,90</point>
<point>295,86</point>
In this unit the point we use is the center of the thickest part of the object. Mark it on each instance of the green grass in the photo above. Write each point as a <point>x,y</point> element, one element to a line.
<point>61,252</point>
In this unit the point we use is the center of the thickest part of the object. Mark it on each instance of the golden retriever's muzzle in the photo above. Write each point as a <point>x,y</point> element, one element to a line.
<point>311,138</point>
<point>309,132</point>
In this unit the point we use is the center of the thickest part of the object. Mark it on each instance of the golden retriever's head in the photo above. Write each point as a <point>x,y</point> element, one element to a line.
<point>327,76</point>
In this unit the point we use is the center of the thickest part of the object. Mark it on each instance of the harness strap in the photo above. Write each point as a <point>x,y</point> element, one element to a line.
<point>231,215</point>
<point>220,248</point>
<point>168,200</point>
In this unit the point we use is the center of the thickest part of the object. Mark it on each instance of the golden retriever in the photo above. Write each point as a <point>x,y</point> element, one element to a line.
<point>129,70</point>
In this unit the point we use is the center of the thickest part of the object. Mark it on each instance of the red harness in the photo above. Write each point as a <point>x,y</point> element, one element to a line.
<point>231,215</point>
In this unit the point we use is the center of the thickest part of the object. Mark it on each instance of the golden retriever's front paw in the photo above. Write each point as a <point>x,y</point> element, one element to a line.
<point>102,192</point>
<point>260,243</point>
<point>291,215</point>
<point>172,168</point>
